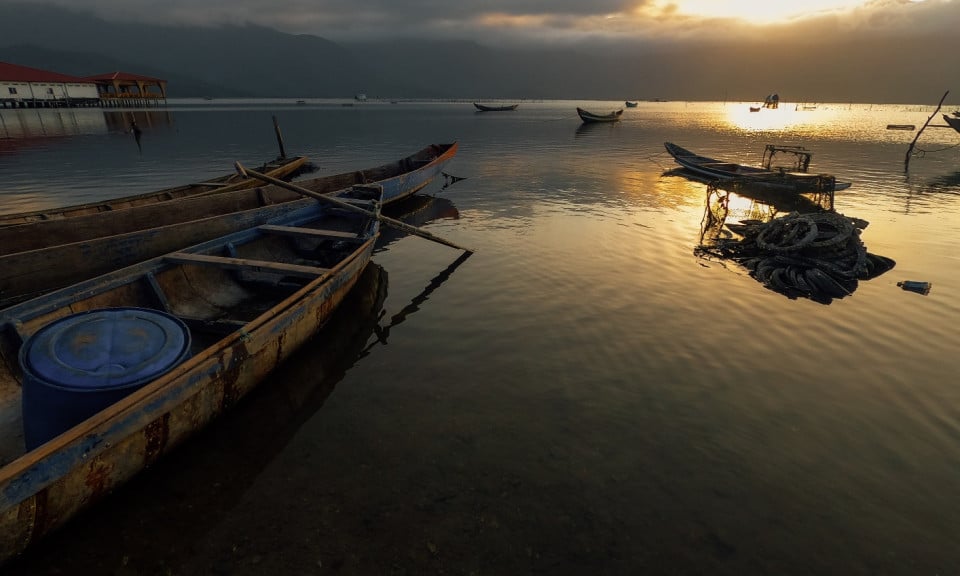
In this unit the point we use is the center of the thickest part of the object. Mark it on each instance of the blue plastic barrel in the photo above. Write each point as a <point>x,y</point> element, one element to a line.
<point>78,365</point>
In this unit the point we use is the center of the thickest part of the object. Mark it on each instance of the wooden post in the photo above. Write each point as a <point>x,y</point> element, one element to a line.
<point>906,160</point>
<point>276,129</point>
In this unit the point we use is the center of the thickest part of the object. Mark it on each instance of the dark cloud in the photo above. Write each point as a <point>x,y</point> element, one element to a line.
<point>516,21</point>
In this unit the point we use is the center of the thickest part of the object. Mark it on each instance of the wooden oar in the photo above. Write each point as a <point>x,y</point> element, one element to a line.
<point>347,206</point>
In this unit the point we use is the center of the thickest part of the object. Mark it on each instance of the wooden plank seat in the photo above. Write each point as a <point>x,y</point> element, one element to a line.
<point>308,232</point>
<point>246,264</point>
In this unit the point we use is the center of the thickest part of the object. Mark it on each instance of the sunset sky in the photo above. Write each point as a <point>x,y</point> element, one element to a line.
<point>554,21</point>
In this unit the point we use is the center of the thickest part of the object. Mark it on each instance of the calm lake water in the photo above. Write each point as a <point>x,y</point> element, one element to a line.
<point>584,394</point>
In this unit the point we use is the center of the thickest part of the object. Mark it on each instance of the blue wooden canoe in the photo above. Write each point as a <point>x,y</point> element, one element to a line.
<point>246,301</point>
<point>41,256</point>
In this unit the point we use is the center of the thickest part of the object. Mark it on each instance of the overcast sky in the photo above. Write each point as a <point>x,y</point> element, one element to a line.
<point>528,21</point>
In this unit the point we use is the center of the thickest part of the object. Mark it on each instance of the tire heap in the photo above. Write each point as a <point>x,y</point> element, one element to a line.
<point>818,255</point>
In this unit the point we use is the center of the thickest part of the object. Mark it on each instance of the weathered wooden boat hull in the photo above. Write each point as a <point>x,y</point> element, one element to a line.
<point>42,256</point>
<point>720,170</point>
<point>246,317</point>
<point>280,168</point>
<point>590,117</point>
<point>483,108</point>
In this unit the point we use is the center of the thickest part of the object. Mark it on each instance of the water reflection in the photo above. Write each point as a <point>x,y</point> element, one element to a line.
<point>949,183</point>
<point>31,123</point>
<point>120,121</point>
<point>22,128</point>
<point>777,198</point>
<point>416,210</point>
<point>794,117</point>
<point>594,129</point>
<point>383,330</point>
<point>815,254</point>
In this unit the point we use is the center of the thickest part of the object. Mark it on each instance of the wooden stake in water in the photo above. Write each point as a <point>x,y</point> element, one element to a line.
<point>276,129</point>
<point>906,161</point>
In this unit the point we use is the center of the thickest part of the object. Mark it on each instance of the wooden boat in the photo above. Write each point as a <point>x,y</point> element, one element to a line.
<point>207,324</point>
<point>279,168</point>
<point>45,255</point>
<point>630,104</point>
<point>952,121</point>
<point>591,117</point>
<point>719,170</point>
<point>506,108</point>
<point>754,108</point>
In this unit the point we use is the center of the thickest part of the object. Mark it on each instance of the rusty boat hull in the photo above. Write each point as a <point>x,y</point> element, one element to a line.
<point>249,300</point>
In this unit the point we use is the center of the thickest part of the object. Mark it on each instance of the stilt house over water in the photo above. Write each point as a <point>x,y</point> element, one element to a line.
<point>25,87</point>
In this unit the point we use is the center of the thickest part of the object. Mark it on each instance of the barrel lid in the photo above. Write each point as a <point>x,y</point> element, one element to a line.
<point>105,349</point>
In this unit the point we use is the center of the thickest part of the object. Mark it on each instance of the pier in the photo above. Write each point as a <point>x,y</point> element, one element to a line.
<point>25,87</point>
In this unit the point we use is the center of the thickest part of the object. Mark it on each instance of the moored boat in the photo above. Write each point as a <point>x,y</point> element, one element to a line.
<point>587,116</point>
<point>720,170</point>
<point>630,104</point>
<point>485,108</point>
<point>952,121</point>
<point>279,168</point>
<point>165,346</point>
<point>44,255</point>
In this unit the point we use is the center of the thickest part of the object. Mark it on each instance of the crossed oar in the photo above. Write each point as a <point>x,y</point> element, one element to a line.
<point>347,206</point>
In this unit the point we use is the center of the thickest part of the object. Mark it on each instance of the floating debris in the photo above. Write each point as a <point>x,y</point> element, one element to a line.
<point>816,255</point>
<point>914,286</point>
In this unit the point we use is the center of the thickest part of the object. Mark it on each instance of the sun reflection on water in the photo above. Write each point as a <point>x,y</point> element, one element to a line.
<point>808,118</point>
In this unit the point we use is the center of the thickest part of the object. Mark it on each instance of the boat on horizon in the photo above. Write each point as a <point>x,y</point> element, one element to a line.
<point>504,108</point>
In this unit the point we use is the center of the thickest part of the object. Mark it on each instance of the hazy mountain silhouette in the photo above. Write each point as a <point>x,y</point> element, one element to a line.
<point>262,62</point>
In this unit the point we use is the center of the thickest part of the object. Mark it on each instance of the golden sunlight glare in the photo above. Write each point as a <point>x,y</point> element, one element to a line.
<point>760,11</point>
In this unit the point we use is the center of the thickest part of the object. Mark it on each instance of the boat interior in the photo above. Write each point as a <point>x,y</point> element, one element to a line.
<point>215,288</point>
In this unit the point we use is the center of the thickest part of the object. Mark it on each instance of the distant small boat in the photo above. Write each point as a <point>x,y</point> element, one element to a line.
<point>754,108</point>
<point>630,104</point>
<point>900,127</point>
<point>591,117</point>
<point>720,170</point>
<point>301,102</point>
<point>506,108</point>
<point>953,121</point>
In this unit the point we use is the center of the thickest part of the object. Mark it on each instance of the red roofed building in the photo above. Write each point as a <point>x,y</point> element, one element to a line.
<point>25,87</point>
<point>126,86</point>
<point>22,86</point>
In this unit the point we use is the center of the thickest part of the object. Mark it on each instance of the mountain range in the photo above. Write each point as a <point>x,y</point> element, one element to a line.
<point>255,61</point>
